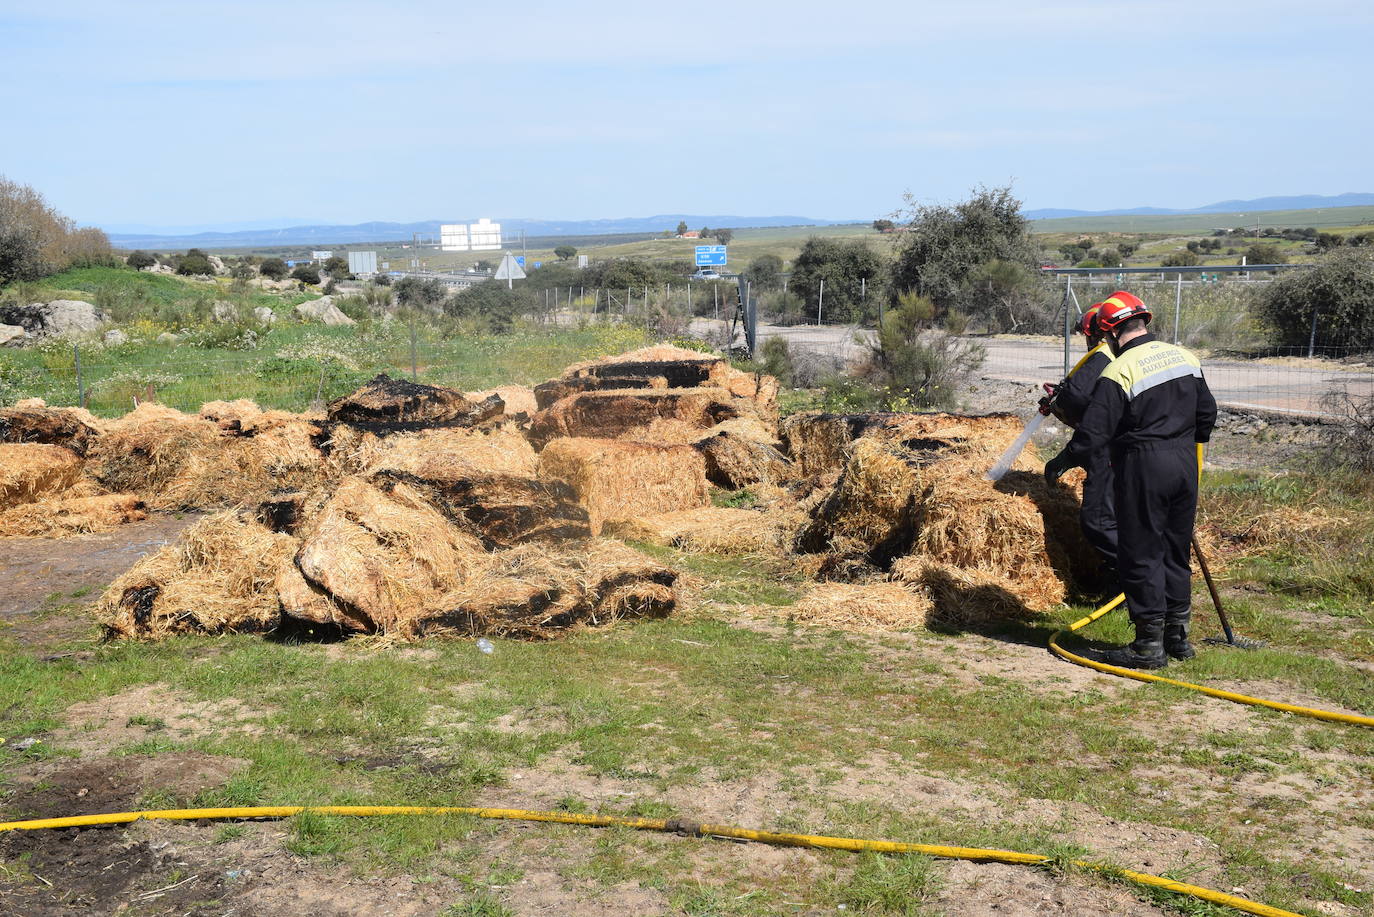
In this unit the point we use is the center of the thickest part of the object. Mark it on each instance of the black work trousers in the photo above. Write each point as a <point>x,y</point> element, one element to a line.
<point>1097,516</point>
<point>1156,500</point>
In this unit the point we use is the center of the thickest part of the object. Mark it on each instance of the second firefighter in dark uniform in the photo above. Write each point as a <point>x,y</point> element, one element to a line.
<point>1149,409</point>
<point>1070,400</point>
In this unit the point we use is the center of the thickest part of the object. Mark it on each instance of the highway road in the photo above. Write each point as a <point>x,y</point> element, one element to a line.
<point>1283,385</point>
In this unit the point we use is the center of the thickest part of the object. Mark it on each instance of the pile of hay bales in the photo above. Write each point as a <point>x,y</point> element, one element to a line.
<point>911,500</point>
<point>412,510</point>
<point>376,556</point>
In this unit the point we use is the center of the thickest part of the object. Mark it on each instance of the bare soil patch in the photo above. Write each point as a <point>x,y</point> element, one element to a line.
<point>131,716</point>
<point>36,568</point>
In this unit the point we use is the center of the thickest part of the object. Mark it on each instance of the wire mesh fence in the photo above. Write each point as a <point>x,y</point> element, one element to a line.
<point>300,366</point>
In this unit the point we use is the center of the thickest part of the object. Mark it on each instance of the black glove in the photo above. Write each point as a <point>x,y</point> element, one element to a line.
<point>1055,467</point>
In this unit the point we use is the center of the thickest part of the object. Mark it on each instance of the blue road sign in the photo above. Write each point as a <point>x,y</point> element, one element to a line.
<point>520,260</point>
<point>710,255</point>
<point>538,264</point>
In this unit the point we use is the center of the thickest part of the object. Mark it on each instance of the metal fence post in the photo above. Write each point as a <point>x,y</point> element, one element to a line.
<point>820,303</point>
<point>1312,340</point>
<point>1178,304</point>
<point>414,367</point>
<point>1068,320</point>
<point>80,382</point>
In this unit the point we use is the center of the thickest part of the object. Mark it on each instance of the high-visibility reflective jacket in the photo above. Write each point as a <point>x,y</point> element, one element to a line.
<point>1074,394</point>
<point>1152,393</point>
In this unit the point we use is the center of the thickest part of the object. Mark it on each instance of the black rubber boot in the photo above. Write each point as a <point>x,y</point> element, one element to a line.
<point>1145,652</point>
<point>1176,641</point>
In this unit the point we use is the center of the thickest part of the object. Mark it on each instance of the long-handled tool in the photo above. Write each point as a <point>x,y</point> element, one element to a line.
<point>1240,643</point>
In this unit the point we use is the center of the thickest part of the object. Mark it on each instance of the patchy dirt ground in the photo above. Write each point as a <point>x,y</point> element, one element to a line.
<point>36,568</point>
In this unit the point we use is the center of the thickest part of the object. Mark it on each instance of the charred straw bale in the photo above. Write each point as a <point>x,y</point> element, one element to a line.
<point>502,510</point>
<point>387,405</point>
<point>617,480</point>
<point>219,577</point>
<point>182,461</point>
<point>617,412</point>
<point>518,399</point>
<point>45,425</point>
<point>819,442</point>
<point>33,471</point>
<point>533,593</point>
<point>385,556</point>
<point>72,515</point>
<point>665,366</point>
<point>739,453</point>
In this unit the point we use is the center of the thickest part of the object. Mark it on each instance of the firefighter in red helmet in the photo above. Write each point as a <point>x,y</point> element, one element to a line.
<point>1149,409</point>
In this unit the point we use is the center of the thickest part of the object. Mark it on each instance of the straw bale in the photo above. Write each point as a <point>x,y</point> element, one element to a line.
<point>713,530</point>
<point>615,412</point>
<point>287,451</point>
<point>72,515</point>
<point>182,461</point>
<point>31,471</point>
<point>218,577</point>
<point>302,600</point>
<point>679,368</point>
<point>45,425</point>
<point>452,454</point>
<point>501,509</point>
<point>387,555</point>
<point>230,416</point>
<point>518,399</point>
<point>819,443</point>
<point>863,607</point>
<point>739,453</point>
<point>616,480</point>
<point>533,592</point>
<point>963,597</point>
<point>873,504</point>
<point>386,405</point>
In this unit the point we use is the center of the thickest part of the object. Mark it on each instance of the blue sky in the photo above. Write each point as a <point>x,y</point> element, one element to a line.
<point>163,114</point>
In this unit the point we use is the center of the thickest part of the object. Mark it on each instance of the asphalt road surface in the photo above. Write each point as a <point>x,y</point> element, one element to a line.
<point>1284,385</point>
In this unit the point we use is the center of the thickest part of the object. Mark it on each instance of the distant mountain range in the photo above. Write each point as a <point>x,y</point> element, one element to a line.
<point>403,232</point>
<point>1295,202</point>
<point>265,235</point>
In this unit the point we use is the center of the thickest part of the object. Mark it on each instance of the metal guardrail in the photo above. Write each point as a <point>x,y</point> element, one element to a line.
<point>1191,269</point>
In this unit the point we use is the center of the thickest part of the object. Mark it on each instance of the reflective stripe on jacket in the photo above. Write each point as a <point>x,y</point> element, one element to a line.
<point>1152,392</point>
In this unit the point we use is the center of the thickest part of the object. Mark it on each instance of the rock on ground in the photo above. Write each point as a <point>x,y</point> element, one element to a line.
<point>323,310</point>
<point>61,316</point>
<point>12,335</point>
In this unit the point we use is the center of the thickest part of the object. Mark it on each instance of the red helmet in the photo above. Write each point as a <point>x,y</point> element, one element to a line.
<point>1087,325</point>
<point>1121,307</point>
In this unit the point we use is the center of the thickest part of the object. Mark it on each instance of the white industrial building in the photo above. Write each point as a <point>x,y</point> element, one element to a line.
<point>482,236</point>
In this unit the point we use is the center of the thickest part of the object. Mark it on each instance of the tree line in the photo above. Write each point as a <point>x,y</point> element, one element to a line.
<point>36,240</point>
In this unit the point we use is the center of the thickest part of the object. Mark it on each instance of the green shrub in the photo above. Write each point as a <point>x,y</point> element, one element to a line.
<point>1339,292</point>
<point>139,260</point>
<point>306,273</point>
<point>273,269</point>
<point>777,359</point>
<point>194,263</point>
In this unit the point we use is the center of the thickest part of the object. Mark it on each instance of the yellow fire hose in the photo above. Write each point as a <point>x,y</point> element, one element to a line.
<point>1353,719</point>
<point>977,854</point>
